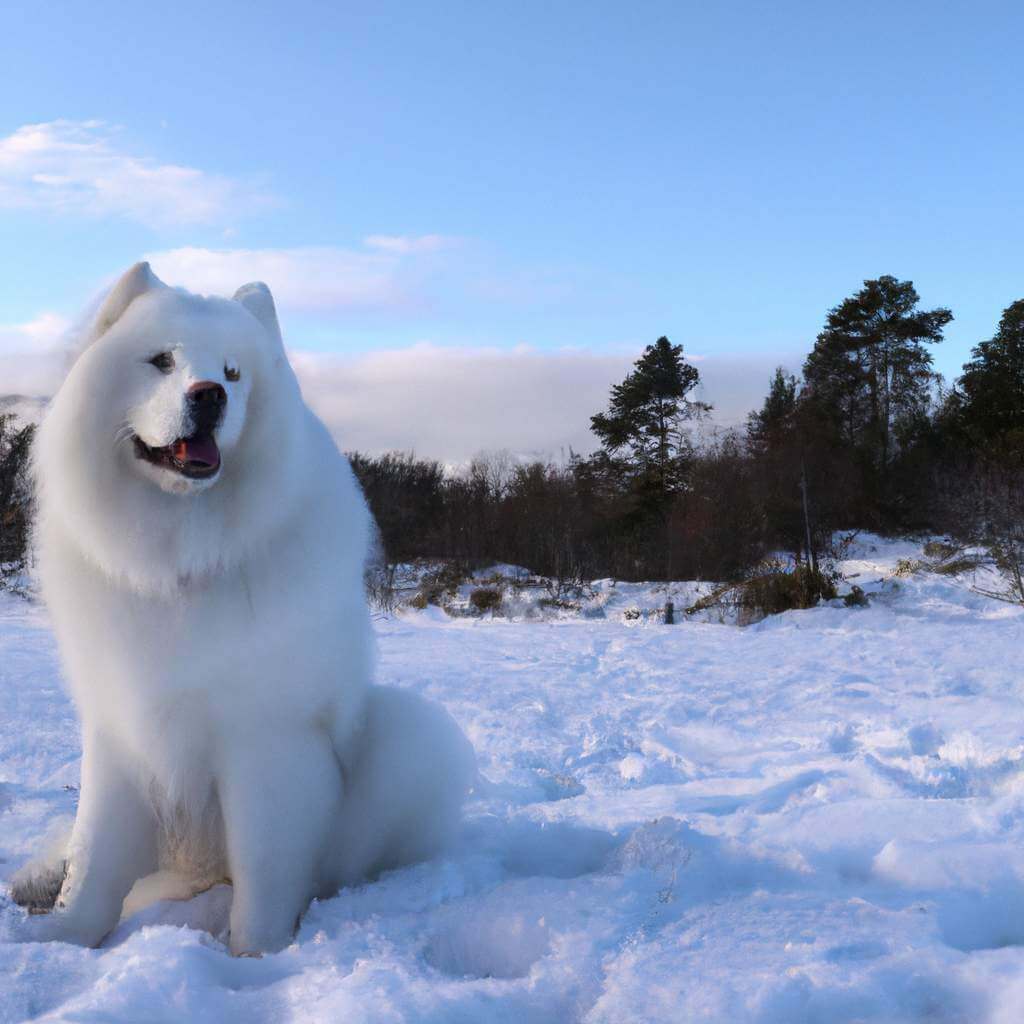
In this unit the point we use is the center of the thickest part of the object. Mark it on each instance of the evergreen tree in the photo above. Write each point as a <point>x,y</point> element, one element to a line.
<point>646,414</point>
<point>777,442</point>
<point>769,429</point>
<point>870,373</point>
<point>990,393</point>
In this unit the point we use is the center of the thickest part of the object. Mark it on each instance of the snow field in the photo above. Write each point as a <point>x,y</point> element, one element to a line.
<point>819,818</point>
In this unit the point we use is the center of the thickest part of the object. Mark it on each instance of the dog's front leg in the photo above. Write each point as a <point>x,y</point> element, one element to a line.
<point>112,845</point>
<point>279,796</point>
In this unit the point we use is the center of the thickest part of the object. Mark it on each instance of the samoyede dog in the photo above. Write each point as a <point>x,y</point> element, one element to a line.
<point>201,546</point>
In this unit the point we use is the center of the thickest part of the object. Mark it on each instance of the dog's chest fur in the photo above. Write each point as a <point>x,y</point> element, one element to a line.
<point>183,681</point>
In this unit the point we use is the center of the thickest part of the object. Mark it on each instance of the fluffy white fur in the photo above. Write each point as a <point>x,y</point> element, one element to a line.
<point>216,636</point>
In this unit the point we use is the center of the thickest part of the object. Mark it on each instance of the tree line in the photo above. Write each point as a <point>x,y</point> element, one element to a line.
<point>15,500</point>
<point>866,436</point>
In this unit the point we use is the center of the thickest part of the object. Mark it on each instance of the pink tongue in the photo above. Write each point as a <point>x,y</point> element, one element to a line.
<point>202,450</point>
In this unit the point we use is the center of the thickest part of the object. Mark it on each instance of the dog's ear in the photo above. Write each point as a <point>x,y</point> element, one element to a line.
<point>257,299</point>
<point>134,282</point>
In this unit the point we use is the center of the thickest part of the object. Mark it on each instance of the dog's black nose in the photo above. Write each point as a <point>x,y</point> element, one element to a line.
<point>206,400</point>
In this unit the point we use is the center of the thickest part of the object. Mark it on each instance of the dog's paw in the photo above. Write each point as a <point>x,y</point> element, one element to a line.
<point>37,886</point>
<point>61,926</point>
<point>58,926</point>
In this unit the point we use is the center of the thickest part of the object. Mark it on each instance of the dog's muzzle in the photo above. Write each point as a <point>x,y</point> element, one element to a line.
<point>197,455</point>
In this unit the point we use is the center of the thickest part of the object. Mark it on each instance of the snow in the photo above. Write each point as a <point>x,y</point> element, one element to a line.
<point>525,596</point>
<point>817,818</point>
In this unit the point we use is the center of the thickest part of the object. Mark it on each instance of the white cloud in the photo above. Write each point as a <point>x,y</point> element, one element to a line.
<point>307,278</point>
<point>44,332</point>
<point>78,167</point>
<point>405,244</point>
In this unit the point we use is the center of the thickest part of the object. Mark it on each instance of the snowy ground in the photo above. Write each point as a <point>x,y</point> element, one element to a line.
<point>819,818</point>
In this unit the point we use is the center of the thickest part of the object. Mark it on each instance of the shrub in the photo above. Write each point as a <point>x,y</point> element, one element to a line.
<point>555,602</point>
<point>771,592</point>
<point>379,584</point>
<point>717,598</point>
<point>485,599</point>
<point>15,501</point>
<point>907,567</point>
<point>777,592</point>
<point>437,585</point>
<point>956,566</point>
<point>1008,558</point>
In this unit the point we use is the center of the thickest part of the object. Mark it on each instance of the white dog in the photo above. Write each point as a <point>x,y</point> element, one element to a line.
<point>201,548</point>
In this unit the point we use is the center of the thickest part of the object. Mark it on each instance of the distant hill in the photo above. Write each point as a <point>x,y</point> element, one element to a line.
<point>26,408</point>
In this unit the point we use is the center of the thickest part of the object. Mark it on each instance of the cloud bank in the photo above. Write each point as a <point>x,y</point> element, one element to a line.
<point>450,403</point>
<point>78,167</point>
<point>33,355</point>
<point>439,402</point>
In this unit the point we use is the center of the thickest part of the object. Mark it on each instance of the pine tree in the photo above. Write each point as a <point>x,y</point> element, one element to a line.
<point>990,393</point>
<point>776,438</point>
<point>646,414</point>
<point>773,425</point>
<point>870,373</point>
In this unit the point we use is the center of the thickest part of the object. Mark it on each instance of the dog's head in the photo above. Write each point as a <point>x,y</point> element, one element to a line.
<point>178,370</point>
<point>176,431</point>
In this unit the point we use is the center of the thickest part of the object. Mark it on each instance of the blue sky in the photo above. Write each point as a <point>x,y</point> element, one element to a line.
<point>582,175</point>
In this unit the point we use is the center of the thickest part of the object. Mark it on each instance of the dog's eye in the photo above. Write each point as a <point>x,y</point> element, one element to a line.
<point>231,372</point>
<point>164,362</point>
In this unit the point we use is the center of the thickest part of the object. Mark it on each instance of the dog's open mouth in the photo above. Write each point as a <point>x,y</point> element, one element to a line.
<point>196,457</point>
